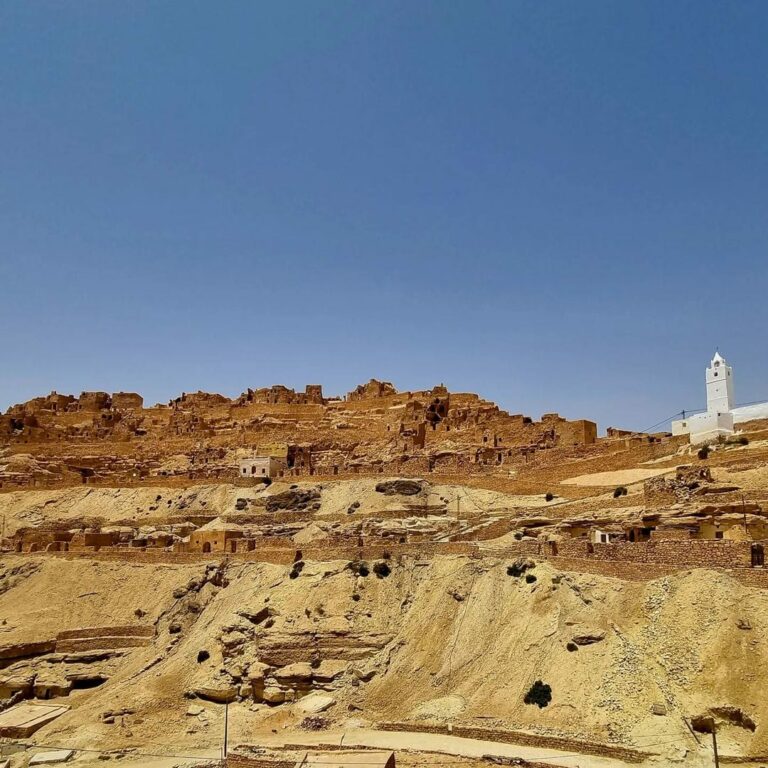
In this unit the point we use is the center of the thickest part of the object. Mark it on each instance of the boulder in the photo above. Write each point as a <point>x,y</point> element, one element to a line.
<point>299,671</point>
<point>54,756</point>
<point>329,670</point>
<point>315,703</point>
<point>400,487</point>
<point>274,695</point>
<point>220,694</point>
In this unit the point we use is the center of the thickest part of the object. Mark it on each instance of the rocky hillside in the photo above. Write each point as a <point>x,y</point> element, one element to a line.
<point>451,640</point>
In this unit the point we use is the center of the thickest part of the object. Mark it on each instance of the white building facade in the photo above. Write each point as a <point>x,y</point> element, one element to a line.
<point>721,415</point>
<point>262,467</point>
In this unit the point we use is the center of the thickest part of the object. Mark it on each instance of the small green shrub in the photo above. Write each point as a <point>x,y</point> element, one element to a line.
<point>620,491</point>
<point>549,497</point>
<point>530,578</point>
<point>703,452</point>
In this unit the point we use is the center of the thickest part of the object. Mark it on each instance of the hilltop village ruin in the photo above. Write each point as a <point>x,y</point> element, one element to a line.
<point>320,562</point>
<point>373,429</point>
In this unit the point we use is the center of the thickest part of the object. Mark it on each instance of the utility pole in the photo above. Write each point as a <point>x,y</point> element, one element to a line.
<point>226,724</point>
<point>714,743</point>
<point>744,512</point>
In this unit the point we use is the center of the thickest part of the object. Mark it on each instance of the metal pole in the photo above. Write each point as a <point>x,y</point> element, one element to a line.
<point>226,723</point>
<point>714,744</point>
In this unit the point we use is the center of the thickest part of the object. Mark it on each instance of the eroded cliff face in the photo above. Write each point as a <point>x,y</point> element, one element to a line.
<point>450,640</point>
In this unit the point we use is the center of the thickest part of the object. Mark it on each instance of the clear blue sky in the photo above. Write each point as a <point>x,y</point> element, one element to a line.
<point>559,205</point>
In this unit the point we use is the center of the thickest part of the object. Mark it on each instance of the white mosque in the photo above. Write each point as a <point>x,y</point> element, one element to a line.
<point>721,416</point>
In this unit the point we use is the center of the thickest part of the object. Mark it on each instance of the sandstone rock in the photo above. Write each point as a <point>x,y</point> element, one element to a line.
<point>221,695</point>
<point>588,639</point>
<point>274,695</point>
<point>400,487</point>
<point>298,671</point>
<point>314,703</point>
<point>295,499</point>
<point>329,670</point>
<point>54,756</point>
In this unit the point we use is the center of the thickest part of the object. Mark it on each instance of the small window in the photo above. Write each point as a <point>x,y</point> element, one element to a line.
<point>718,534</point>
<point>715,373</point>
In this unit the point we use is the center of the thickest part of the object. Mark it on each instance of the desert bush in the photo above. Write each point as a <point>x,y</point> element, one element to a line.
<point>518,568</point>
<point>359,568</point>
<point>539,694</point>
<point>620,491</point>
<point>549,496</point>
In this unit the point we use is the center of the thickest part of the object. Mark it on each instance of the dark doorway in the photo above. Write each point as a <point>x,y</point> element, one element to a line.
<point>758,556</point>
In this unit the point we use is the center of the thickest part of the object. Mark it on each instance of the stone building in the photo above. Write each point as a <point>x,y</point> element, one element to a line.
<point>216,536</point>
<point>262,467</point>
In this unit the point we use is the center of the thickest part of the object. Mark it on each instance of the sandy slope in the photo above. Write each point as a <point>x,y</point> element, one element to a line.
<point>463,641</point>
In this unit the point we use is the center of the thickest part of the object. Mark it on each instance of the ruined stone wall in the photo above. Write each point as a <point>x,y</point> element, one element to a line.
<point>127,401</point>
<point>525,738</point>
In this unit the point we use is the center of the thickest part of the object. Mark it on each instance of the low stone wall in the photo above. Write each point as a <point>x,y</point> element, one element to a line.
<point>526,548</point>
<point>626,560</point>
<point>241,761</point>
<point>526,739</point>
<point>617,570</point>
<point>688,553</point>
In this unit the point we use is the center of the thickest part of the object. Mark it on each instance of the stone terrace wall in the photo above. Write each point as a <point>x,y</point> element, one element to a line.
<point>629,561</point>
<point>688,553</point>
<point>525,738</point>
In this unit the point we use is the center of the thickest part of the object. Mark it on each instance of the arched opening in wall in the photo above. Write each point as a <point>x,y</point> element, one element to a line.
<point>84,683</point>
<point>206,547</point>
<point>758,555</point>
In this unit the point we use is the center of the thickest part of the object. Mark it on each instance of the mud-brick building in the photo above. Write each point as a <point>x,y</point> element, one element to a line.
<point>216,536</point>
